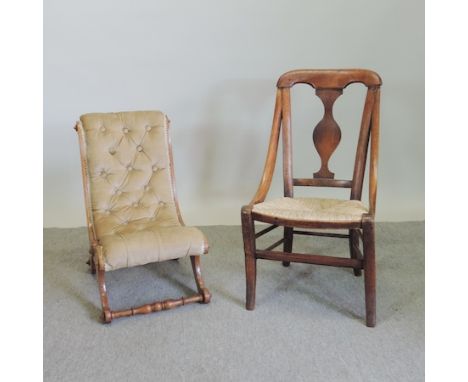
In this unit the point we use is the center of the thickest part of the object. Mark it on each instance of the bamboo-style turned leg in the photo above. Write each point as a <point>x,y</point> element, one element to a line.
<point>369,269</point>
<point>354,248</point>
<point>108,315</point>
<point>250,260</point>
<point>288,243</point>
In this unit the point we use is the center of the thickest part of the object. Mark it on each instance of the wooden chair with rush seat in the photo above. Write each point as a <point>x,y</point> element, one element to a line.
<point>298,216</point>
<point>132,210</point>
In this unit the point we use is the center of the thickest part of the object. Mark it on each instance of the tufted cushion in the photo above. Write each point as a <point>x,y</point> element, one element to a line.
<point>133,205</point>
<point>313,209</point>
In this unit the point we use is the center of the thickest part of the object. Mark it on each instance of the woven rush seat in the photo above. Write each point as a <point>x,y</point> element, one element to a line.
<point>312,209</point>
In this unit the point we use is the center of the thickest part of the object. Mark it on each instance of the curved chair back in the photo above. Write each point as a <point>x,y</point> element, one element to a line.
<point>127,171</point>
<point>329,85</point>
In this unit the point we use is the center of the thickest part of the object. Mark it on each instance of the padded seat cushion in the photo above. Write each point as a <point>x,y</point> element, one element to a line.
<point>151,244</point>
<point>313,209</point>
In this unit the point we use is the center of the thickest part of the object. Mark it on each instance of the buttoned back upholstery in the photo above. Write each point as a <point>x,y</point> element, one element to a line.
<point>129,169</point>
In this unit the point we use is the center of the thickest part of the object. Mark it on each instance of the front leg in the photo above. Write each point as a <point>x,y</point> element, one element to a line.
<point>196,267</point>
<point>248,234</point>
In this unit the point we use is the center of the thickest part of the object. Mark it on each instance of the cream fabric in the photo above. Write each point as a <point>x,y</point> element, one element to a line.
<point>132,200</point>
<point>313,209</point>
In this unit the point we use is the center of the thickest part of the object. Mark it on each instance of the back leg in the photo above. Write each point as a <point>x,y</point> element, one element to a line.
<point>106,312</point>
<point>369,270</point>
<point>288,243</point>
<point>354,248</point>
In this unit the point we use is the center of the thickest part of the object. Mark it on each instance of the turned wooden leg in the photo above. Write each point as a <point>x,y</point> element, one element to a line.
<point>288,243</point>
<point>108,315</point>
<point>196,266</point>
<point>248,234</point>
<point>354,248</point>
<point>369,269</point>
<point>106,312</point>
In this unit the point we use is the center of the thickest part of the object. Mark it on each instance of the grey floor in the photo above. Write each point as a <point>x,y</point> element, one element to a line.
<point>307,326</point>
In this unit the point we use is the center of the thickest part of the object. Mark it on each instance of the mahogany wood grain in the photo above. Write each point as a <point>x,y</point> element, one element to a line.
<point>323,182</point>
<point>325,234</point>
<point>329,79</point>
<point>270,161</point>
<point>250,259</point>
<point>327,133</point>
<point>354,248</point>
<point>362,147</point>
<point>369,269</point>
<point>374,153</point>
<point>309,259</point>
<point>196,267</point>
<point>157,306</point>
<point>288,242</point>
<point>287,143</point>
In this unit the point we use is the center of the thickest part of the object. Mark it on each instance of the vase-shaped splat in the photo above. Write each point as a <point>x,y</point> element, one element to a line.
<point>327,133</point>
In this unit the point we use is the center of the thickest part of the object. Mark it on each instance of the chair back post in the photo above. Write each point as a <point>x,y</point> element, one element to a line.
<point>172,171</point>
<point>86,187</point>
<point>374,153</point>
<point>270,161</point>
<point>362,146</point>
<point>287,143</point>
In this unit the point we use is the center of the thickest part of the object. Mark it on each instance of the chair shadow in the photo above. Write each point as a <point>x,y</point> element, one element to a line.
<point>168,273</point>
<point>65,285</point>
<point>225,294</point>
<point>326,297</point>
<point>249,96</point>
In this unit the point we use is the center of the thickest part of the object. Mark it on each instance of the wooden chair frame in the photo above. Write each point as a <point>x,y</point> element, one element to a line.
<point>328,84</point>
<point>96,257</point>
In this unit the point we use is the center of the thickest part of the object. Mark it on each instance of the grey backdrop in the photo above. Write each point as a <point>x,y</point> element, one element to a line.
<point>212,67</point>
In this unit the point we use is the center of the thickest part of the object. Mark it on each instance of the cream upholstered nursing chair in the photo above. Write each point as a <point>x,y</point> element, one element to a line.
<point>298,215</point>
<point>131,207</point>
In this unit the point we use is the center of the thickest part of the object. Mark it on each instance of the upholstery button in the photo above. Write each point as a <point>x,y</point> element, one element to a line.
<point>119,192</point>
<point>139,148</point>
<point>111,151</point>
<point>107,211</point>
<point>129,167</point>
<point>155,168</point>
<point>147,187</point>
<point>125,222</point>
<point>161,203</point>
<point>135,204</point>
<point>103,173</point>
<point>148,128</point>
<point>103,129</point>
<point>125,130</point>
